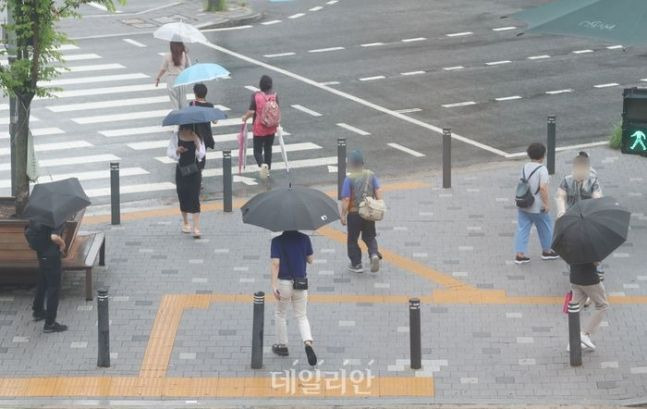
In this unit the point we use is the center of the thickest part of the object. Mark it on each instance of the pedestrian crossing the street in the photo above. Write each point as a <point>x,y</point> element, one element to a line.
<point>102,111</point>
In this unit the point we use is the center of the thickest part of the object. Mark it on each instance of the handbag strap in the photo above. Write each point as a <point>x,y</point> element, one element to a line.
<point>365,186</point>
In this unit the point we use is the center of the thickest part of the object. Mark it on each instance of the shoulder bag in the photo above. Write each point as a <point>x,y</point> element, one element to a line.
<point>369,207</point>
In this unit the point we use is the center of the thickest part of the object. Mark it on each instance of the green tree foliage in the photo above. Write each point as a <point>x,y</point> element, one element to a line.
<point>34,41</point>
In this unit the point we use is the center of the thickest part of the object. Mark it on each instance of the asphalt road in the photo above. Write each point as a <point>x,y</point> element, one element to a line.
<point>387,77</point>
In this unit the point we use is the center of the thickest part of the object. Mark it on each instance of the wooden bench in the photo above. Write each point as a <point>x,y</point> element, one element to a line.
<point>19,263</point>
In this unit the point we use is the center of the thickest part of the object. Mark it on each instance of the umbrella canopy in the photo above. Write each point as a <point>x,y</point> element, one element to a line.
<point>180,32</point>
<point>591,230</point>
<point>201,73</point>
<point>294,208</point>
<point>618,21</point>
<point>51,204</point>
<point>193,115</point>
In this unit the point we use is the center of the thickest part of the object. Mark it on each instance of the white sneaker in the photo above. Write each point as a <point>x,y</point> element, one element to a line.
<point>586,340</point>
<point>264,171</point>
<point>584,347</point>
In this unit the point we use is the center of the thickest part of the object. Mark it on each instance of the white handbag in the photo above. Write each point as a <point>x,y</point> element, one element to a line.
<point>370,208</point>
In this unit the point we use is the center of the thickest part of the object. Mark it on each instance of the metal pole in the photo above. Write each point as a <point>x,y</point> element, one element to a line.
<point>341,164</point>
<point>550,145</point>
<point>10,40</point>
<point>257,330</point>
<point>414,333</point>
<point>103,359</point>
<point>574,340</point>
<point>114,193</point>
<point>447,158</point>
<point>227,181</point>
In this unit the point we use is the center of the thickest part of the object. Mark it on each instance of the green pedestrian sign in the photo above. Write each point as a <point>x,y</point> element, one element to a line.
<point>634,140</point>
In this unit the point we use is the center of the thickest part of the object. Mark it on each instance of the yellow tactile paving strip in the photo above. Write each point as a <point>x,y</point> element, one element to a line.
<point>153,383</point>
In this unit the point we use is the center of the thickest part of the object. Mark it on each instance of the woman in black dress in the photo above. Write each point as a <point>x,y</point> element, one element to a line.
<point>188,149</point>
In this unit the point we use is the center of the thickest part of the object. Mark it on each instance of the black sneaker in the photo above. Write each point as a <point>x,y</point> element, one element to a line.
<point>55,327</point>
<point>356,269</point>
<point>549,255</point>
<point>39,315</point>
<point>310,353</point>
<point>521,260</point>
<point>280,350</point>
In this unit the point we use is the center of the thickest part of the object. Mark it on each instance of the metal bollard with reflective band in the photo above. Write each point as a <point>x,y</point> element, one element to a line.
<point>341,165</point>
<point>574,340</point>
<point>103,325</point>
<point>551,144</point>
<point>447,158</point>
<point>115,200</point>
<point>414,333</point>
<point>227,180</point>
<point>257,330</point>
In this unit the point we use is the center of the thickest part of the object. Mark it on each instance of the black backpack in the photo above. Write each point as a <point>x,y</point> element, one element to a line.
<point>36,237</point>
<point>524,197</point>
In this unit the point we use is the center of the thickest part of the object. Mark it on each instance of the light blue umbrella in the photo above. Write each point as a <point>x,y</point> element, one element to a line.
<point>200,73</point>
<point>193,115</point>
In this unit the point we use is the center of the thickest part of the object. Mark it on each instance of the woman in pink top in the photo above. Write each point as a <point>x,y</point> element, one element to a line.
<point>172,65</point>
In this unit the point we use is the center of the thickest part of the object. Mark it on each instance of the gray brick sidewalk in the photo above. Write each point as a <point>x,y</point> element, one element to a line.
<point>489,353</point>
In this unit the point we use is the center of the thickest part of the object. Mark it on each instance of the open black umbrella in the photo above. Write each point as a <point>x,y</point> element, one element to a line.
<point>294,208</point>
<point>591,230</point>
<point>51,204</point>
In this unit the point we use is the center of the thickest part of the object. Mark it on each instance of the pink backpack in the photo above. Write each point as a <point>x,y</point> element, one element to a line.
<point>268,113</point>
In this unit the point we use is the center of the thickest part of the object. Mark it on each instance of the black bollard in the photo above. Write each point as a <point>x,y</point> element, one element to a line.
<point>227,181</point>
<point>257,330</point>
<point>414,333</point>
<point>341,164</point>
<point>115,200</point>
<point>103,324</point>
<point>447,158</point>
<point>550,144</point>
<point>574,340</point>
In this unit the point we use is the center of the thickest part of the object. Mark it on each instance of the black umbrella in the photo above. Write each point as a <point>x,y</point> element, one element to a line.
<point>294,208</point>
<point>51,204</point>
<point>591,230</point>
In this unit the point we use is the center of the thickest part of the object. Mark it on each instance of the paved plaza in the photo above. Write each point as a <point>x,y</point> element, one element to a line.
<point>181,309</point>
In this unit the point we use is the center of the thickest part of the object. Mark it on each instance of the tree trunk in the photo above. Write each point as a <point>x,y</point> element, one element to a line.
<point>22,135</point>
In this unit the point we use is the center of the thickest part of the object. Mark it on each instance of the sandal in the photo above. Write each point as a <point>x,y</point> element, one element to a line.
<point>196,234</point>
<point>186,228</point>
<point>280,350</point>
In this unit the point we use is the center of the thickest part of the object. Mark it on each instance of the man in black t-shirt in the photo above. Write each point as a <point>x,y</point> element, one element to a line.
<point>585,282</point>
<point>203,129</point>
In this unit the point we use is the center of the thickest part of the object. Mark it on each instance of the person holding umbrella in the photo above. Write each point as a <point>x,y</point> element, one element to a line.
<point>290,210</point>
<point>586,234</point>
<point>49,207</point>
<point>173,64</point>
<point>188,150</point>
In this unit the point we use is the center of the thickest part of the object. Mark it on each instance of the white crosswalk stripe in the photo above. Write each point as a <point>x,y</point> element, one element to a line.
<point>97,119</point>
<point>48,147</point>
<point>294,164</point>
<point>86,68</point>
<point>105,91</point>
<point>295,147</point>
<point>37,132</point>
<point>88,80</point>
<point>83,176</point>
<point>80,57</point>
<point>75,160</point>
<point>163,143</point>
<point>128,189</point>
<point>156,128</point>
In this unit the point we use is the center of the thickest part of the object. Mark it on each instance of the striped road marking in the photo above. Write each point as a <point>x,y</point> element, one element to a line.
<point>159,129</point>
<point>377,77</point>
<point>135,43</point>
<point>92,175</point>
<point>144,188</point>
<point>507,28</point>
<point>325,50</point>
<point>454,68</point>
<point>406,150</point>
<point>86,68</point>
<point>296,164</point>
<point>608,85</point>
<point>306,110</point>
<point>372,44</point>
<point>413,40</point>
<point>353,129</point>
<point>615,47</point>
<point>461,34</point>
<point>408,110</point>
<point>587,51</point>
<point>271,22</point>
<point>119,103</point>
<point>279,55</point>
<point>76,160</point>
<point>294,147</point>
<point>560,91</point>
<point>49,147</point>
<point>251,88</point>
<point>459,104</point>
<point>498,62</point>
<point>37,132</point>
<point>316,8</point>
<point>539,57</point>
<point>410,73</point>
<point>298,15</point>
<point>105,91</point>
<point>81,57</point>
<point>88,80</point>
<point>511,98</point>
<point>122,117</point>
<point>163,143</point>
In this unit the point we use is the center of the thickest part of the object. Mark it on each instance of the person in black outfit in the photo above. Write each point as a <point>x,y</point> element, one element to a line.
<point>586,283</point>
<point>203,129</point>
<point>49,250</point>
<point>188,149</point>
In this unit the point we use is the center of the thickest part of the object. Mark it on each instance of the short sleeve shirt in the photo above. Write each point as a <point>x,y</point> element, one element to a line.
<point>292,248</point>
<point>539,178</point>
<point>353,185</point>
<point>580,190</point>
<point>252,104</point>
